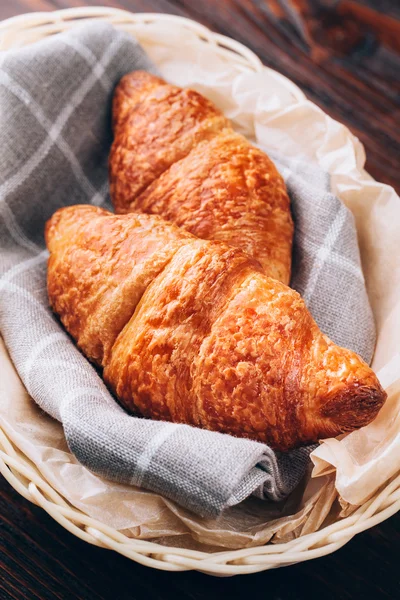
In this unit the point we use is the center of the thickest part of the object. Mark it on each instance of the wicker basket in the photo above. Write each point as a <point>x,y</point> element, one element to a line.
<point>27,480</point>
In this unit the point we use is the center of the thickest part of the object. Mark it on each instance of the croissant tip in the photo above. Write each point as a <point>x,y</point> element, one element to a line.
<point>356,406</point>
<point>50,224</point>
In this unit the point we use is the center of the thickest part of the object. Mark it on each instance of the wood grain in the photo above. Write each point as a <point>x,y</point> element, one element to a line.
<point>345,55</point>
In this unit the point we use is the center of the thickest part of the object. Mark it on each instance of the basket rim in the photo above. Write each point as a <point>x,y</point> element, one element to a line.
<point>26,479</point>
<point>225,44</point>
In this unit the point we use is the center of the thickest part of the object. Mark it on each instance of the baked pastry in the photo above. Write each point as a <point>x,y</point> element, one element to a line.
<point>193,331</point>
<point>176,155</point>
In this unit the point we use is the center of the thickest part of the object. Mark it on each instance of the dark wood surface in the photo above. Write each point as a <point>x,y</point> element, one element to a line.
<point>345,55</point>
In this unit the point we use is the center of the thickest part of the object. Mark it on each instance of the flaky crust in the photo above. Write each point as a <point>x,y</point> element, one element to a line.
<point>174,154</point>
<point>193,331</point>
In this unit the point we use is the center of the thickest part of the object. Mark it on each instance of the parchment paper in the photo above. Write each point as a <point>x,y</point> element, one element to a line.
<point>264,110</point>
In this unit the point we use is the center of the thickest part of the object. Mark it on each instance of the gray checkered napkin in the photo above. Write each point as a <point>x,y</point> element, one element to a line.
<point>54,138</point>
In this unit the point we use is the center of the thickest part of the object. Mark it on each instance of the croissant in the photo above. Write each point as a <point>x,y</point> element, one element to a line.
<point>193,331</point>
<point>176,155</point>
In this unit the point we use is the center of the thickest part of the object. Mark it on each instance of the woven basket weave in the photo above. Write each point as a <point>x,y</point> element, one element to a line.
<point>27,480</point>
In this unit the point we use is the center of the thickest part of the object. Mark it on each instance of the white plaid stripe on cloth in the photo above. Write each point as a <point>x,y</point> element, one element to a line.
<point>55,99</point>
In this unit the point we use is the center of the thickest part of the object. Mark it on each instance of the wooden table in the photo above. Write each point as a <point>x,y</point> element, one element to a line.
<point>345,55</point>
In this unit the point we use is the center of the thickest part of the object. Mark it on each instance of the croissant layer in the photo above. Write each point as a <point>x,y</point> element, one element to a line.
<point>193,331</point>
<point>176,155</point>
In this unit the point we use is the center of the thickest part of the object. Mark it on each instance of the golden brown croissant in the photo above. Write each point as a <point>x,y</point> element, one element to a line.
<point>174,154</point>
<point>192,331</point>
